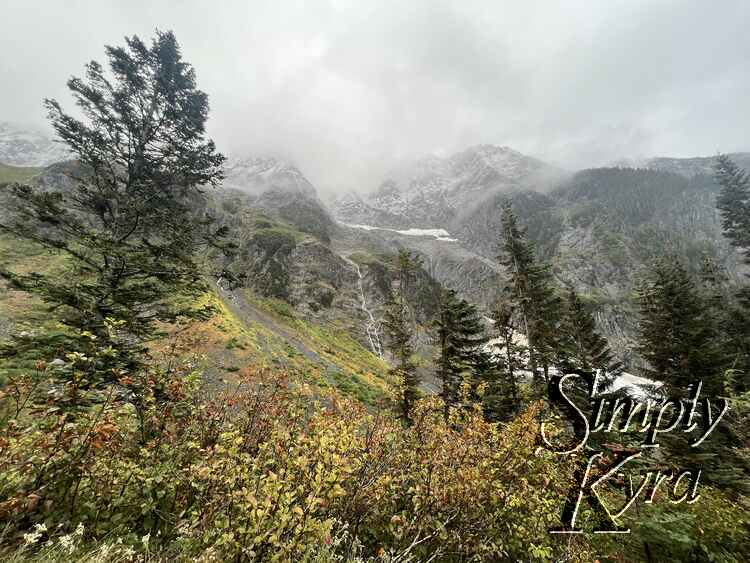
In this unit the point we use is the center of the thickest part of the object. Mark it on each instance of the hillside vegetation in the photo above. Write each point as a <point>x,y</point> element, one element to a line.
<point>199,371</point>
<point>17,173</point>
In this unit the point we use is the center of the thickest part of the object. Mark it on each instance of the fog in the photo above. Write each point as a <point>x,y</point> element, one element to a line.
<point>347,89</point>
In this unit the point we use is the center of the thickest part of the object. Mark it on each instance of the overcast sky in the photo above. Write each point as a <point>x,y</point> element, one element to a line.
<point>345,89</point>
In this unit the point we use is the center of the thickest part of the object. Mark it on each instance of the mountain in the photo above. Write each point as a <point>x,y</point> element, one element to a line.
<point>434,192</point>
<point>27,147</point>
<point>281,190</point>
<point>689,167</point>
<point>598,228</point>
<point>257,175</point>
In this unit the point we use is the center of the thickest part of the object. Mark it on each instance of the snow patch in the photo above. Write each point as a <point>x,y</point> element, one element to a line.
<point>424,233</point>
<point>438,234</point>
<point>364,227</point>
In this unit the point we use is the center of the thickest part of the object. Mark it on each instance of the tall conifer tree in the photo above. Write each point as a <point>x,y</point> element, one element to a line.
<point>130,222</point>
<point>529,288</point>
<point>502,399</point>
<point>733,203</point>
<point>460,337</point>
<point>399,325</point>
<point>583,350</point>
<point>676,334</point>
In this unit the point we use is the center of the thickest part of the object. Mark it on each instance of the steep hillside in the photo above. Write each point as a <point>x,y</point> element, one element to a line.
<point>17,173</point>
<point>247,332</point>
<point>321,339</point>
<point>279,189</point>
<point>599,228</point>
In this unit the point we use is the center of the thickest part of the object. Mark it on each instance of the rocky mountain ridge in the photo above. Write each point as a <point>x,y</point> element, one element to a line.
<point>23,146</point>
<point>597,228</point>
<point>433,192</point>
<point>257,174</point>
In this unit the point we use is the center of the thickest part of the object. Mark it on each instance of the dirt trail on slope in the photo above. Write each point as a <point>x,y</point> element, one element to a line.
<point>248,313</point>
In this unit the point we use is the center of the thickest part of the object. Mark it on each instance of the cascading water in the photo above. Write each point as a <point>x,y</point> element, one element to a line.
<point>372,326</point>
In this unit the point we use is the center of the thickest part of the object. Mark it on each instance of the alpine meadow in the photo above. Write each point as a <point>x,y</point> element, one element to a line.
<point>282,290</point>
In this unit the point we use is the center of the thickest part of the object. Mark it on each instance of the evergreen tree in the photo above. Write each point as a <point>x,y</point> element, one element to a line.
<point>530,289</point>
<point>502,398</point>
<point>130,222</point>
<point>583,350</point>
<point>398,323</point>
<point>460,336</point>
<point>683,339</point>
<point>733,203</point>
<point>677,337</point>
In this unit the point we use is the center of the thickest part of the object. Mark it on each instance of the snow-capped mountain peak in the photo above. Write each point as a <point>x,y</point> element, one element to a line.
<point>257,174</point>
<point>432,190</point>
<point>23,146</point>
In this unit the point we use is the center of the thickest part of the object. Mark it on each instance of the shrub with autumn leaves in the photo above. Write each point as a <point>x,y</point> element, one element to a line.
<point>266,470</point>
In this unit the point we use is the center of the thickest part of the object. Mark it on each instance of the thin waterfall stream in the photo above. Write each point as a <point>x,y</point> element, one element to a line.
<point>372,326</point>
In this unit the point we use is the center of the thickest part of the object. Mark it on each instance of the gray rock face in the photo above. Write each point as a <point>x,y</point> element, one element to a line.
<point>282,191</point>
<point>26,147</point>
<point>434,191</point>
<point>598,228</point>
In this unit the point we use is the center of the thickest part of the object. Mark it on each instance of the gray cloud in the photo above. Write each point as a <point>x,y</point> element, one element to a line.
<point>345,89</point>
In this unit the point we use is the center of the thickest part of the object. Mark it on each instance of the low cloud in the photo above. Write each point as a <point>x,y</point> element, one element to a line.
<point>346,89</point>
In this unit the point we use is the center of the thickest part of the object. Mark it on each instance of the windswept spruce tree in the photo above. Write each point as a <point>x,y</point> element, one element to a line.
<point>529,290</point>
<point>460,338</point>
<point>398,322</point>
<point>131,220</point>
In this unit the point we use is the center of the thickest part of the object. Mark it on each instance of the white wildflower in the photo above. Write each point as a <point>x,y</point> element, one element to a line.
<point>79,530</point>
<point>105,550</point>
<point>145,540</point>
<point>67,543</point>
<point>31,538</point>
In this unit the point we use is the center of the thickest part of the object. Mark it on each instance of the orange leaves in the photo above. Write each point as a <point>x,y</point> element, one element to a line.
<point>102,434</point>
<point>261,469</point>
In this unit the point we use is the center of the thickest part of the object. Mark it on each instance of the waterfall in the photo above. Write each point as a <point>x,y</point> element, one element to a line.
<point>371,328</point>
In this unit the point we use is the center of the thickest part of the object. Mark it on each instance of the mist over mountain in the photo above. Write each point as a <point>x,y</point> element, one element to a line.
<point>599,228</point>
<point>374,283</point>
<point>346,91</point>
<point>24,146</point>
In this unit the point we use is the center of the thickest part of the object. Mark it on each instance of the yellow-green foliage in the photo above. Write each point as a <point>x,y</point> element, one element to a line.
<point>357,370</point>
<point>235,348</point>
<point>263,473</point>
<point>21,311</point>
<point>17,173</point>
<point>25,257</point>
